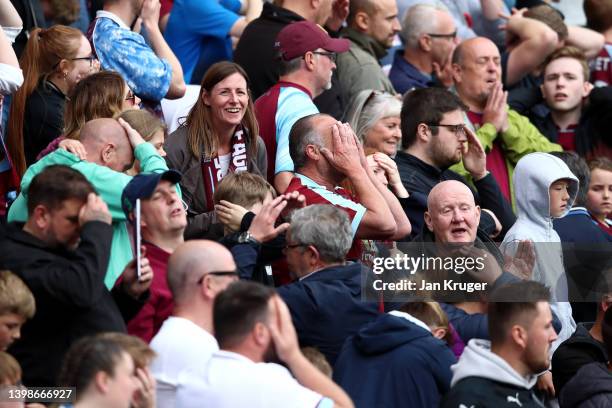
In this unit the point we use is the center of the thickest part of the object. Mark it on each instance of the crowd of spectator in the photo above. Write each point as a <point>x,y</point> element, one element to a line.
<point>197,196</point>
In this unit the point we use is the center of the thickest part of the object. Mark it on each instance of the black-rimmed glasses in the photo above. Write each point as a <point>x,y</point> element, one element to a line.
<point>331,55</point>
<point>289,246</point>
<point>90,58</point>
<point>458,130</point>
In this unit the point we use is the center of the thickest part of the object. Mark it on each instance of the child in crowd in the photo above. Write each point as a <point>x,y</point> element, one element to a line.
<point>16,306</point>
<point>238,194</point>
<point>238,198</point>
<point>10,376</point>
<point>599,197</point>
<point>545,188</point>
<point>102,371</point>
<point>150,127</point>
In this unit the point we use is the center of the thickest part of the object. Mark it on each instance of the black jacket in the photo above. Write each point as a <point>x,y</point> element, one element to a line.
<point>592,132</point>
<point>255,52</point>
<point>419,178</point>
<point>71,299</point>
<point>43,119</point>
<point>590,388</point>
<point>577,351</point>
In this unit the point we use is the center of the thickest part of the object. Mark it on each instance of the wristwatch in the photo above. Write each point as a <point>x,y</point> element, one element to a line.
<point>247,238</point>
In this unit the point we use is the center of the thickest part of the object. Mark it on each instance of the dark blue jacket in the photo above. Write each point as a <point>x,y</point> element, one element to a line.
<point>326,307</point>
<point>404,76</point>
<point>392,362</point>
<point>586,255</point>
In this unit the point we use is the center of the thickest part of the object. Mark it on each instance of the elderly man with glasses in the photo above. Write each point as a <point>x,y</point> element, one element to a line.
<point>326,300</point>
<point>430,38</point>
<point>435,137</point>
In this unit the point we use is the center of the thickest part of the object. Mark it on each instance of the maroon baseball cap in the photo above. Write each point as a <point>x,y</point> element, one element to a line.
<point>297,38</point>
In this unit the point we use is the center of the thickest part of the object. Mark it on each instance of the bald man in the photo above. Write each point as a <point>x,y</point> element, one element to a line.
<point>110,147</point>
<point>186,337</point>
<point>505,135</point>
<point>452,214</point>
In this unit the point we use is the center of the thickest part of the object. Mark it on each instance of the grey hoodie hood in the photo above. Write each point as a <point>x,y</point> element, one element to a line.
<point>533,176</point>
<point>477,360</point>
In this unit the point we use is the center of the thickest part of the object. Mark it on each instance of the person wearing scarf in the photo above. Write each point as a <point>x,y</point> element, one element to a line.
<point>220,135</point>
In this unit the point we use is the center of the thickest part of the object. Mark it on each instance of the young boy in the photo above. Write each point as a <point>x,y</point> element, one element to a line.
<point>599,197</point>
<point>545,189</point>
<point>16,306</point>
<point>237,195</point>
<point>238,198</point>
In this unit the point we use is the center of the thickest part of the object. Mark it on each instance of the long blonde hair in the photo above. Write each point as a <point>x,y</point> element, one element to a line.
<point>200,133</point>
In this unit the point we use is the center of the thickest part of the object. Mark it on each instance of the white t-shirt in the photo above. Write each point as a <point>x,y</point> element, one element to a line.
<point>179,344</point>
<point>232,380</point>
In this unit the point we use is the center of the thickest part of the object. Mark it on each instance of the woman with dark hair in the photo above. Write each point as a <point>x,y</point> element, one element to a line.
<point>54,61</point>
<point>102,371</point>
<point>220,136</point>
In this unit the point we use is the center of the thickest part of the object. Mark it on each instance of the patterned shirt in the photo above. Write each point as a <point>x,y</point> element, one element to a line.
<point>126,52</point>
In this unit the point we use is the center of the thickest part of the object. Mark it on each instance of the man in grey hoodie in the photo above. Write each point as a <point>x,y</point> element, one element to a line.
<point>503,372</point>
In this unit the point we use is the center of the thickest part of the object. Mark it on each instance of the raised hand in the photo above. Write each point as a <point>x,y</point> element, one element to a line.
<point>495,111</point>
<point>75,147</point>
<point>95,209</point>
<point>263,226</point>
<point>133,136</point>
<point>230,214</point>
<point>345,155</point>
<point>282,331</point>
<point>133,285</point>
<point>473,155</point>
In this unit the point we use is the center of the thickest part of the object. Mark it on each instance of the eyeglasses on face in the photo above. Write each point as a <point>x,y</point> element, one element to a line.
<point>452,35</point>
<point>331,55</point>
<point>458,130</point>
<point>233,273</point>
<point>90,58</point>
<point>289,246</point>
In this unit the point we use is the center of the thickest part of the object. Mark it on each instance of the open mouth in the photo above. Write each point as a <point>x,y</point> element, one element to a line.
<point>458,231</point>
<point>233,110</point>
<point>560,96</point>
<point>176,211</point>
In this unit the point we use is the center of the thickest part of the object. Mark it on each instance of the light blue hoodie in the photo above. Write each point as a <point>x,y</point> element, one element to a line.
<point>533,176</point>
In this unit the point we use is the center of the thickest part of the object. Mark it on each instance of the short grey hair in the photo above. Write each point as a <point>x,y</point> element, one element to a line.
<point>368,107</point>
<point>420,19</point>
<point>289,67</point>
<point>325,227</point>
<point>301,135</point>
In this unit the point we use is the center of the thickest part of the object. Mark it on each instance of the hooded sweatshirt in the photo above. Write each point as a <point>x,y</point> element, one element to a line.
<point>394,362</point>
<point>481,378</point>
<point>533,176</point>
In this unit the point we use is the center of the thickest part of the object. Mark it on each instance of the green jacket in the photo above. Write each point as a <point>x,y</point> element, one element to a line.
<point>520,139</point>
<point>358,68</point>
<point>109,184</point>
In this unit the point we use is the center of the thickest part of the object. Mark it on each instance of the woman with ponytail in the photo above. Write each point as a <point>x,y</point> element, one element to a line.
<point>53,62</point>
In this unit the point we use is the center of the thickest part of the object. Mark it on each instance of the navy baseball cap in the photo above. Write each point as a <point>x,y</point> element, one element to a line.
<point>142,186</point>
